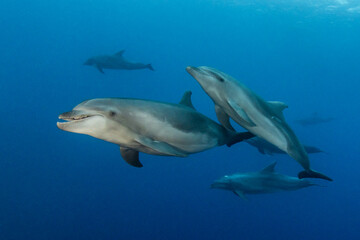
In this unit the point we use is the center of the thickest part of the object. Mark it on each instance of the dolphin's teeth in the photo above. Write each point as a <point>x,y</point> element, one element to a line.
<point>73,118</point>
<point>80,117</point>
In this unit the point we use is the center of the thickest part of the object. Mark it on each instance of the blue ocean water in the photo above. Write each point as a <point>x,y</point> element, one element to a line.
<point>61,185</point>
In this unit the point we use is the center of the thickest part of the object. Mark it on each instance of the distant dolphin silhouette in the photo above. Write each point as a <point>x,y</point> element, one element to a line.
<point>264,181</point>
<point>315,119</point>
<point>150,127</point>
<point>262,118</point>
<point>116,61</point>
<point>265,147</point>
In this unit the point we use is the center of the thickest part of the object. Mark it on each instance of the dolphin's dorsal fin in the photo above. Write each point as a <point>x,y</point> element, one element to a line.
<point>240,194</point>
<point>269,169</point>
<point>261,150</point>
<point>120,53</point>
<point>278,108</point>
<point>186,100</point>
<point>130,156</point>
<point>223,118</point>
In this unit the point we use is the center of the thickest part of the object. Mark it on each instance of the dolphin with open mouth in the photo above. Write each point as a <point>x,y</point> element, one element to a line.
<point>150,127</point>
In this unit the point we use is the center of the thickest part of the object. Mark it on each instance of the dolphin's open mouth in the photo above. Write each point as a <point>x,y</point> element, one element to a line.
<point>73,117</point>
<point>80,117</point>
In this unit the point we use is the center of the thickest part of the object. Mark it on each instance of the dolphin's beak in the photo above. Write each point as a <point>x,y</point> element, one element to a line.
<point>195,72</point>
<point>72,117</point>
<point>191,69</point>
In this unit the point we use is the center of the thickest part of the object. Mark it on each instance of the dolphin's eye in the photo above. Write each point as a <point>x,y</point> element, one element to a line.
<point>112,113</point>
<point>218,77</point>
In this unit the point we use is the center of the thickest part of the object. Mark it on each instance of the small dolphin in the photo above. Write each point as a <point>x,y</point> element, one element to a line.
<point>147,126</point>
<point>313,120</point>
<point>263,119</point>
<point>116,61</point>
<point>265,147</point>
<point>264,181</point>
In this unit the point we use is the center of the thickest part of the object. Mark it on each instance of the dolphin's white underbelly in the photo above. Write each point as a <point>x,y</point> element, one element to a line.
<point>118,134</point>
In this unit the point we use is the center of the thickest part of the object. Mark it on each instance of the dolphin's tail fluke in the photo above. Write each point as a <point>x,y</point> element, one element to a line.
<point>239,137</point>
<point>150,67</point>
<point>313,174</point>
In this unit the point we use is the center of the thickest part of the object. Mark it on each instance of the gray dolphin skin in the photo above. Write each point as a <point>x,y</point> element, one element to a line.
<point>265,147</point>
<point>313,120</point>
<point>263,119</point>
<point>150,127</point>
<point>116,61</point>
<point>264,181</point>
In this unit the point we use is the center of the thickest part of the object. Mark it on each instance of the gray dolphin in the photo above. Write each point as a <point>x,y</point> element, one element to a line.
<point>147,126</point>
<point>265,147</point>
<point>116,61</point>
<point>263,119</point>
<point>313,120</point>
<point>264,181</point>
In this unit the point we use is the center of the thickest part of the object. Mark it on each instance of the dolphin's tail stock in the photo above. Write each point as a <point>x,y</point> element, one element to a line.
<point>150,67</point>
<point>312,174</point>
<point>239,137</point>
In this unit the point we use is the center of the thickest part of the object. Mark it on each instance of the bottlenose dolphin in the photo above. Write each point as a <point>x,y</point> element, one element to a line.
<point>264,181</point>
<point>265,147</point>
<point>313,120</point>
<point>147,126</point>
<point>263,119</point>
<point>116,61</point>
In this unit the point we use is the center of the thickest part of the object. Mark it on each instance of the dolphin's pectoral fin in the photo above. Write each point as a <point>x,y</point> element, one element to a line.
<point>186,100</point>
<point>261,150</point>
<point>244,118</point>
<point>120,53</point>
<point>269,169</point>
<point>279,119</point>
<point>130,156</point>
<point>99,68</point>
<point>278,108</point>
<point>240,194</point>
<point>149,66</point>
<point>310,149</point>
<point>162,147</point>
<point>223,118</point>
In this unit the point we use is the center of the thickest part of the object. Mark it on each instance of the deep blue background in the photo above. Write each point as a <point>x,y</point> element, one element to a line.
<point>60,185</point>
